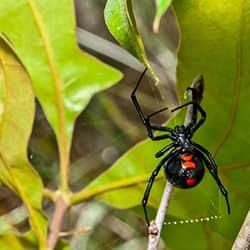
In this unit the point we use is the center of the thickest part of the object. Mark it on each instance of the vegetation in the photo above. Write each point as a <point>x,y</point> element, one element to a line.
<point>40,60</point>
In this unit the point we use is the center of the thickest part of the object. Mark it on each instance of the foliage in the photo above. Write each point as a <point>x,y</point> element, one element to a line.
<point>40,59</point>
<point>16,122</point>
<point>202,25</point>
<point>63,79</point>
<point>57,61</point>
<point>121,22</point>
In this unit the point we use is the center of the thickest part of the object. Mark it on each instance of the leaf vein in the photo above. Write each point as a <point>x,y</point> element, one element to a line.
<point>58,94</point>
<point>236,96</point>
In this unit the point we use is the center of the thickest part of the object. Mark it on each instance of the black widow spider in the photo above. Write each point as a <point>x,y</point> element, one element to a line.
<point>184,164</point>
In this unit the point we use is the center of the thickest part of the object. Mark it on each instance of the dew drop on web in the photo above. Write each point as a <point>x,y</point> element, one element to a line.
<point>195,220</point>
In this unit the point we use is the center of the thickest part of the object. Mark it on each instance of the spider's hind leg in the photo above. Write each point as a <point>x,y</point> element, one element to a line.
<point>212,167</point>
<point>208,154</point>
<point>222,188</point>
<point>151,181</point>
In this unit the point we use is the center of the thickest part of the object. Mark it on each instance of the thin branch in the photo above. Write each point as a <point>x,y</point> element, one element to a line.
<point>50,194</point>
<point>55,226</point>
<point>156,226</point>
<point>154,231</point>
<point>74,232</point>
<point>243,239</point>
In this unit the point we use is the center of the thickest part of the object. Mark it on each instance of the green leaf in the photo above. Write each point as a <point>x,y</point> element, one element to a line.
<point>61,245</point>
<point>220,32</point>
<point>215,43</point>
<point>25,242</point>
<point>161,8</point>
<point>64,78</point>
<point>17,114</point>
<point>120,20</point>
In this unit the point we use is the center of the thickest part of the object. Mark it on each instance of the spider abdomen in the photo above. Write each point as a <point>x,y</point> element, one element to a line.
<point>185,170</point>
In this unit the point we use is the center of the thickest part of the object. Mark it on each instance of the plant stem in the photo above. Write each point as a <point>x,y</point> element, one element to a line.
<point>243,239</point>
<point>64,167</point>
<point>154,231</point>
<point>156,226</point>
<point>56,222</point>
<point>50,194</point>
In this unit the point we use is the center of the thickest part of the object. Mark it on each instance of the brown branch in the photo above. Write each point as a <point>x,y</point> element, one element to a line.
<point>55,226</point>
<point>154,231</point>
<point>243,239</point>
<point>74,232</point>
<point>156,225</point>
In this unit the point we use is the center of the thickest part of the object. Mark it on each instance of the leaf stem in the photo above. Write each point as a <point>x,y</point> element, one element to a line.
<point>64,165</point>
<point>61,133</point>
<point>50,194</point>
<point>55,226</point>
<point>89,193</point>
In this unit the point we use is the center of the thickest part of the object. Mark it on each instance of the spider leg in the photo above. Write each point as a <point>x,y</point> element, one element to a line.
<point>208,154</point>
<point>193,125</point>
<point>134,99</point>
<point>197,88</point>
<point>158,127</point>
<point>194,109</point>
<point>196,96</point>
<point>213,171</point>
<point>164,150</point>
<point>161,137</point>
<point>146,119</point>
<point>151,181</point>
<point>157,112</point>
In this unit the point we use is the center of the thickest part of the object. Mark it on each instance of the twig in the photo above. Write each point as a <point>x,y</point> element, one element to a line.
<point>156,226</point>
<point>154,231</point>
<point>74,232</point>
<point>243,239</point>
<point>55,226</point>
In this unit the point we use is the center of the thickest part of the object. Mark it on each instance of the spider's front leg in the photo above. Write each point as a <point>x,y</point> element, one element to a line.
<point>151,181</point>
<point>164,150</point>
<point>194,125</point>
<point>212,167</point>
<point>146,119</point>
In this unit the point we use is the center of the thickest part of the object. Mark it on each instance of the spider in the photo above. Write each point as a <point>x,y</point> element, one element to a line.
<point>185,161</point>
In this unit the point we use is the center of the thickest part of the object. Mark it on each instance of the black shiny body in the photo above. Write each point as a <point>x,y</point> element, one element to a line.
<point>181,176</point>
<point>183,160</point>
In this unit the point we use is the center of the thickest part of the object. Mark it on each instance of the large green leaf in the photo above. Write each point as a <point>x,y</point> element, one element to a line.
<point>215,42</point>
<point>64,79</point>
<point>221,31</point>
<point>17,114</point>
<point>120,20</point>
